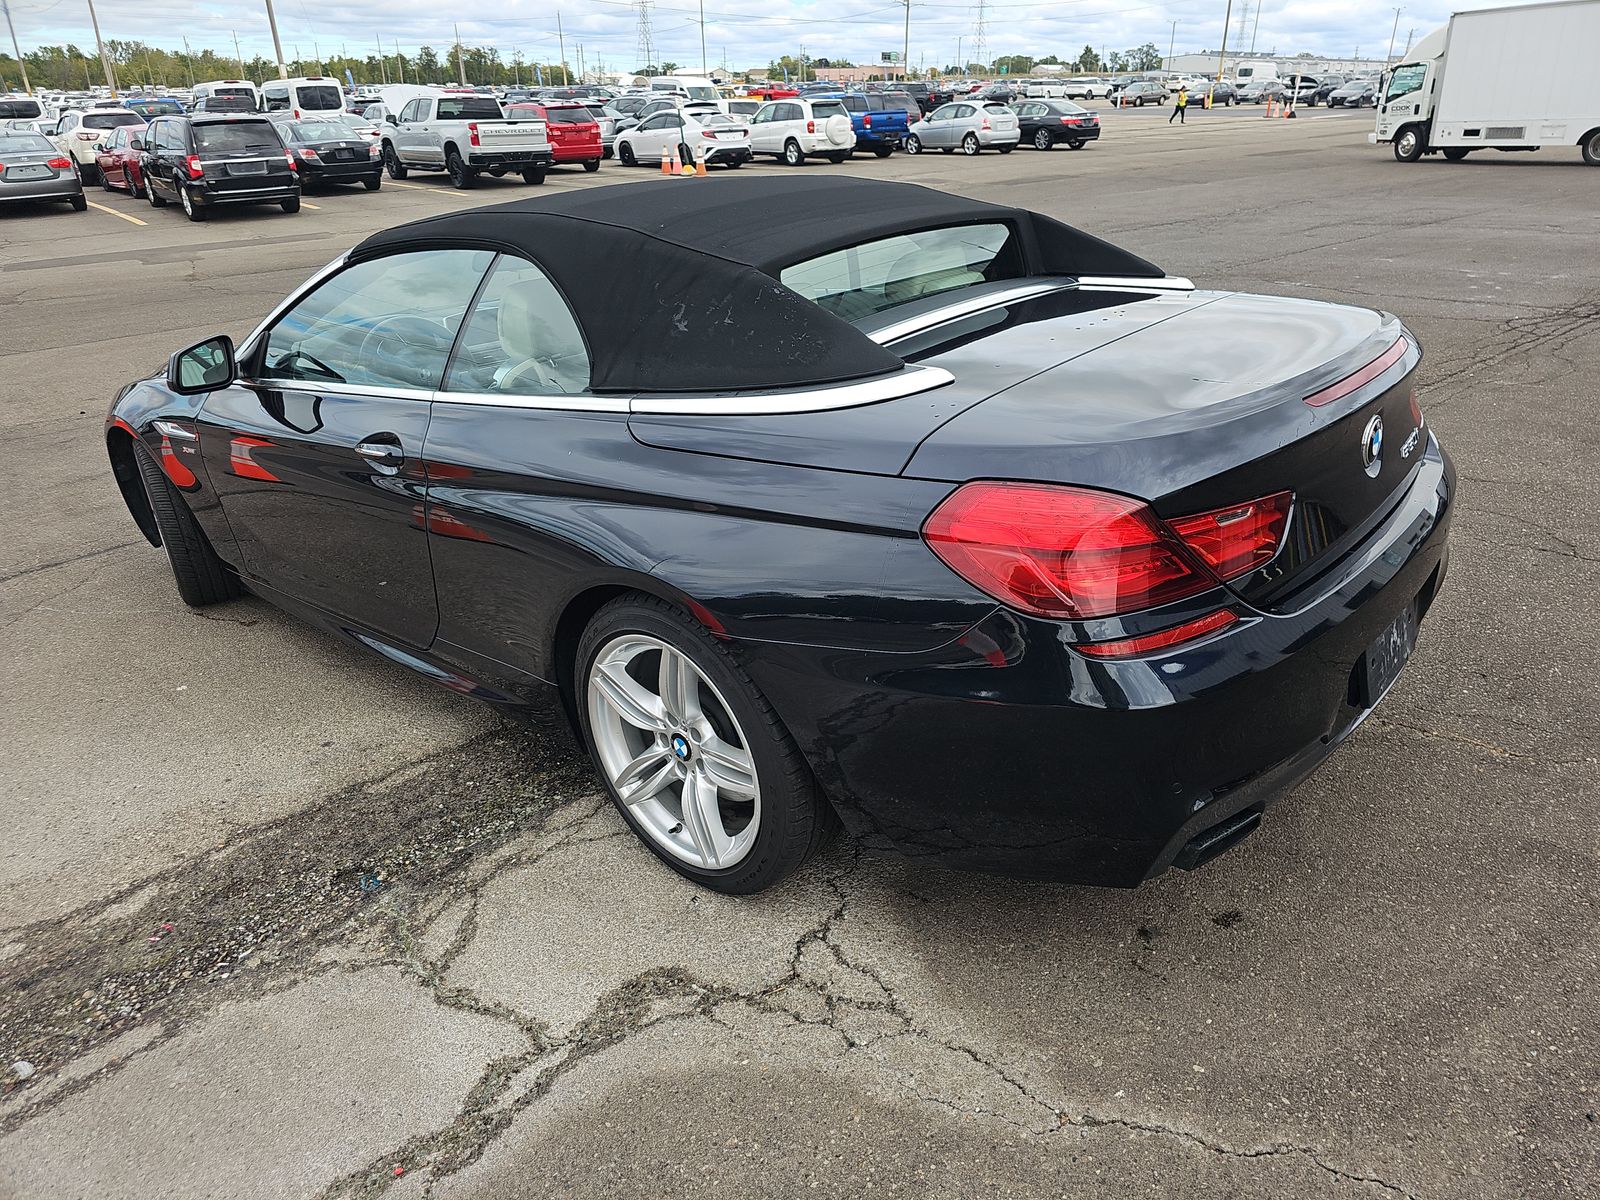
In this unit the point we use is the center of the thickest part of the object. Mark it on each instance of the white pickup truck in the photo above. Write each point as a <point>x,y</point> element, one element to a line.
<point>464,134</point>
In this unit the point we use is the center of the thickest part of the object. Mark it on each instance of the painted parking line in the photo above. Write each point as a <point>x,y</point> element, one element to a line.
<point>308,204</point>
<point>115,213</point>
<point>411,187</point>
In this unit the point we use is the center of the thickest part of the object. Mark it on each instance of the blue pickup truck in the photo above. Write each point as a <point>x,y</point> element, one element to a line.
<point>881,119</point>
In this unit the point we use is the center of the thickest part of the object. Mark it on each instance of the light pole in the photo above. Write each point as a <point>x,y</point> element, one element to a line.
<point>1390,57</point>
<point>26,86</point>
<point>705,65</point>
<point>105,63</point>
<point>1222,53</point>
<point>905,46</point>
<point>1172,43</point>
<point>238,54</point>
<point>277,46</point>
<point>561,38</point>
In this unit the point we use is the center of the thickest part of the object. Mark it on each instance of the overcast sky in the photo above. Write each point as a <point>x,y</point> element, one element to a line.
<point>855,29</point>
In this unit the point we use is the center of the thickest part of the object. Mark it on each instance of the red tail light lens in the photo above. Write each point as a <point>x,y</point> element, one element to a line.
<point>811,126</point>
<point>55,164</point>
<point>472,133</point>
<point>1362,377</point>
<point>1240,538</point>
<point>1149,643</point>
<point>196,171</point>
<point>1061,551</point>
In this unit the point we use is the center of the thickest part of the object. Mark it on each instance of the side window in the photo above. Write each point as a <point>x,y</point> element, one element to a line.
<point>410,111</point>
<point>275,99</point>
<point>651,123</point>
<point>763,115</point>
<point>521,339</point>
<point>388,322</point>
<point>943,114</point>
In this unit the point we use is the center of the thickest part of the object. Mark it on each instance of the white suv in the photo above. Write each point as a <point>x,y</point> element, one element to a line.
<point>77,133</point>
<point>796,128</point>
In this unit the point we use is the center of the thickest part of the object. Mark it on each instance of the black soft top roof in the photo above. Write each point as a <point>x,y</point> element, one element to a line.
<point>675,283</point>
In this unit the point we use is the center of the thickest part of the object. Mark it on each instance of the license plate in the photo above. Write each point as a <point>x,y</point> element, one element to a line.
<point>247,168</point>
<point>343,154</point>
<point>1388,655</point>
<point>31,172</point>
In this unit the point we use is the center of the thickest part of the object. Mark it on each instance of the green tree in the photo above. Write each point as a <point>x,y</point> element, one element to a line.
<point>1013,64</point>
<point>1088,62</point>
<point>1117,64</point>
<point>426,63</point>
<point>1144,58</point>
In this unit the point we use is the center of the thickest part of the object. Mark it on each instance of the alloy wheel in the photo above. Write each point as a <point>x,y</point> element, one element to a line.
<point>969,144</point>
<point>1041,140</point>
<point>673,752</point>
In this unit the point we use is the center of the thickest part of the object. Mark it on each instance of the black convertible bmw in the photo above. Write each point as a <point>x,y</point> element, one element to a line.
<point>820,500</point>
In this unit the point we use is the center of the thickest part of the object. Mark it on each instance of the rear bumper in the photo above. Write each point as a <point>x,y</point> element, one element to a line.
<point>729,154</point>
<point>996,137</point>
<point>1007,751</point>
<point>872,139</point>
<point>341,171</point>
<point>1087,133</point>
<point>578,154</point>
<point>59,187</point>
<point>270,193</point>
<point>519,159</point>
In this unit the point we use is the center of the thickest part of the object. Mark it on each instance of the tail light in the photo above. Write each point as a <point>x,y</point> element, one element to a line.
<point>310,155</point>
<point>472,133</point>
<point>196,171</point>
<point>57,164</point>
<point>1077,553</point>
<point>1233,541</point>
<point>986,122</point>
<point>867,121</point>
<point>297,114</point>
<point>1361,378</point>
<point>811,126</point>
<point>373,151</point>
<point>293,166</point>
<point>1164,639</point>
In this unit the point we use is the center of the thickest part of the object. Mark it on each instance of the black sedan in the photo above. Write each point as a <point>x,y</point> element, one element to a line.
<point>332,152</point>
<point>938,518</point>
<point>1047,123</point>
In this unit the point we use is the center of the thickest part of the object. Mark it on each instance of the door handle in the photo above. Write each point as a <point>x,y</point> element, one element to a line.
<point>382,452</point>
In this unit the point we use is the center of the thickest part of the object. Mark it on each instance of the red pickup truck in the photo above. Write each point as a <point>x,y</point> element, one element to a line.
<point>574,133</point>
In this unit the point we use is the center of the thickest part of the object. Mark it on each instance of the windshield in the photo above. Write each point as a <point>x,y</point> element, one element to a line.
<point>23,110</point>
<point>243,137</point>
<point>1407,79</point>
<point>319,97</point>
<point>25,144</point>
<point>111,120</point>
<point>704,93</point>
<point>878,275</point>
<point>453,108</point>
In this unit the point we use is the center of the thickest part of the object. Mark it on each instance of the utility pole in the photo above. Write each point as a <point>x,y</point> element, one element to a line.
<point>188,61</point>
<point>1410,33</point>
<point>237,53</point>
<point>1254,29</point>
<point>980,36</point>
<point>583,72</point>
<point>1392,34</point>
<point>461,68</point>
<point>905,46</point>
<point>383,63</point>
<point>705,64</point>
<point>1222,54</point>
<point>277,46</point>
<point>960,65</point>
<point>317,50</point>
<point>1172,43</point>
<point>26,86</point>
<point>561,41</point>
<point>105,63</point>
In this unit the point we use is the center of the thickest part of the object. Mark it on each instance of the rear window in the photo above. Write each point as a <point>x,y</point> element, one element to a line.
<point>997,109</point>
<point>20,110</point>
<point>24,144</point>
<point>158,108</point>
<point>110,120</point>
<point>828,108</point>
<point>243,137</point>
<point>865,279</point>
<point>900,101</point>
<point>320,131</point>
<point>322,97</point>
<point>718,119</point>
<point>569,116</point>
<point>472,108</point>
<point>240,92</point>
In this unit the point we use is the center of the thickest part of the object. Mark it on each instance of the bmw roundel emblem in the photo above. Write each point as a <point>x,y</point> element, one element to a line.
<point>680,747</point>
<point>1372,442</point>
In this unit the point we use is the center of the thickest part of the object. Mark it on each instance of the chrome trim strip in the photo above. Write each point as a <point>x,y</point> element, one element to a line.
<point>247,347</point>
<point>561,402</point>
<point>964,308</point>
<point>906,382</point>
<point>314,387</point>
<point>173,430</point>
<point>1167,283</point>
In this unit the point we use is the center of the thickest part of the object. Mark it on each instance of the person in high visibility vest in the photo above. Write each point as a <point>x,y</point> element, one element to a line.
<point>1180,105</point>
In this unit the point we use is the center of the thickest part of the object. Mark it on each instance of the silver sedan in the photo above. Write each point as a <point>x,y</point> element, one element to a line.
<point>968,126</point>
<point>32,167</point>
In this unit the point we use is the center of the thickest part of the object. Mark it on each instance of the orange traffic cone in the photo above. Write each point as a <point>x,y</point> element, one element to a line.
<point>700,163</point>
<point>666,165</point>
<point>1269,106</point>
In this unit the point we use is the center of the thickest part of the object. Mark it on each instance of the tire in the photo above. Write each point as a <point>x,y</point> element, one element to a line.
<point>1409,144</point>
<point>1456,153</point>
<point>1043,141</point>
<point>105,183</point>
<point>969,145</point>
<point>80,203</point>
<point>195,212</point>
<point>837,157</point>
<point>373,184</point>
<point>733,164</point>
<point>787,821</point>
<point>1076,144</point>
<point>291,205</point>
<point>150,194</point>
<point>591,165</point>
<point>913,144</point>
<point>947,149</point>
<point>625,155</point>
<point>883,151</point>
<point>1591,149</point>
<point>792,155</point>
<point>202,577</point>
<point>1005,149</point>
<point>89,172</point>
<point>392,163</point>
<point>534,175</point>
<point>497,172</point>
<point>462,177</point>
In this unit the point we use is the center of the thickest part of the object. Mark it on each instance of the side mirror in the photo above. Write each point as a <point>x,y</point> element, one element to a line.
<point>391,118</point>
<point>99,147</point>
<point>135,144</point>
<point>203,368</point>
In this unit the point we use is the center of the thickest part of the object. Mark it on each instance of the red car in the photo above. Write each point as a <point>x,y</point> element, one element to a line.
<point>119,160</point>
<point>574,133</point>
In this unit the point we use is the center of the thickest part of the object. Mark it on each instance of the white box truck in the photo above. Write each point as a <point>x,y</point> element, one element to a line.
<point>1498,79</point>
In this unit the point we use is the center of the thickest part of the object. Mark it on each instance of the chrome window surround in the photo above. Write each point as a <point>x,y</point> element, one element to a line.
<point>1026,291</point>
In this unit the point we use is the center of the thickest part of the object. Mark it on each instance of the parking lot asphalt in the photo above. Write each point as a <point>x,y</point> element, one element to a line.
<point>280,919</point>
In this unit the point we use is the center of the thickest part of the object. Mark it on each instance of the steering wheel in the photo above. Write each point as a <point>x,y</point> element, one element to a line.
<point>411,331</point>
<point>530,368</point>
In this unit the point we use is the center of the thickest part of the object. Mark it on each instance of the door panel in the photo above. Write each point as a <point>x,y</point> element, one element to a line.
<point>317,519</point>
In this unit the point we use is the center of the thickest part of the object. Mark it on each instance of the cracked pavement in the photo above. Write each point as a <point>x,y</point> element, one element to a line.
<point>277,918</point>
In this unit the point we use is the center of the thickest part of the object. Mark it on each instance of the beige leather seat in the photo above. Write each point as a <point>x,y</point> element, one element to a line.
<point>927,272</point>
<point>528,339</point>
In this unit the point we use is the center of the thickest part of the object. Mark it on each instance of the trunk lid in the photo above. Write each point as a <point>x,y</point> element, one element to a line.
<point>1204,411</point>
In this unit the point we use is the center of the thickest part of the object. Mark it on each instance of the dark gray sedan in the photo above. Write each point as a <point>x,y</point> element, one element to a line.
<point>32,167</point>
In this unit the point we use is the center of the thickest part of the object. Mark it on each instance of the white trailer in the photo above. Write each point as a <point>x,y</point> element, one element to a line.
<point>1498,79</point>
